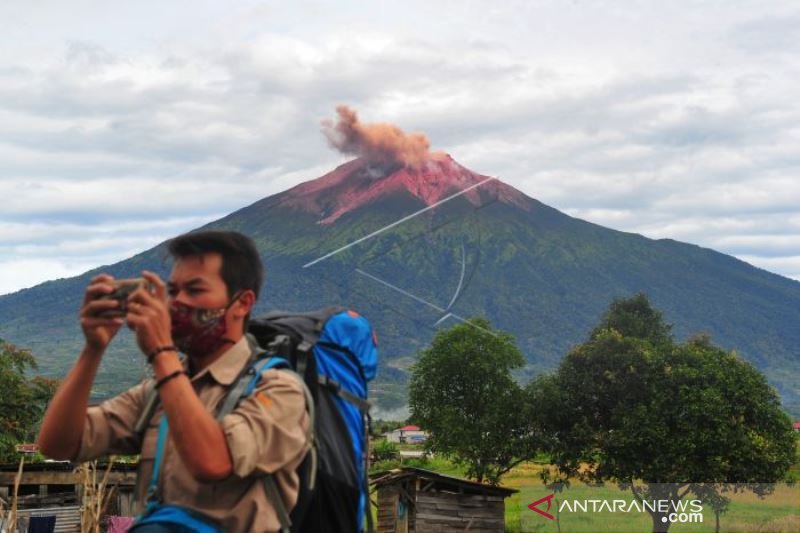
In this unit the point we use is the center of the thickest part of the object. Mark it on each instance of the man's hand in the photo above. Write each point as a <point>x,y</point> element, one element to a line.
<point>148,315</point>
<point>97,330</point>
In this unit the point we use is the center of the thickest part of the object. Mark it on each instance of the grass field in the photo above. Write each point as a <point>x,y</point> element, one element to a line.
<point>778,512</point>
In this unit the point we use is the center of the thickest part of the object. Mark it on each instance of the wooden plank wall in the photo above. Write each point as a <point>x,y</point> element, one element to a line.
<point>438,512</point>
<point>387,508</point>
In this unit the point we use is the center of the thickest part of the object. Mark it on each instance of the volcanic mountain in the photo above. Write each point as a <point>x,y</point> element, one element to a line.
<point>358,183</point>
<point>417,248</point>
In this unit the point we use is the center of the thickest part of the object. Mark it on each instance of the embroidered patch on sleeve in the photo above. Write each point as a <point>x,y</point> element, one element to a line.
<point>265,400</point>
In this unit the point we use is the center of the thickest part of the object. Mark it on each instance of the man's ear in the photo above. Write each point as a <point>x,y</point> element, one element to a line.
<point>244,304</point>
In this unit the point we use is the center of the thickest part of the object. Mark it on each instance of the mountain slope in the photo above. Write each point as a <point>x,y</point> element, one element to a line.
<point>349,237</point>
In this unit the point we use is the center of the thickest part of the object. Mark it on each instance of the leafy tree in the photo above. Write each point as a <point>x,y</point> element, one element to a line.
<point>22,399</point>
<point>462,392</point>
<point>634,317</point>
<point>383,450</point>
<point>630,404</point>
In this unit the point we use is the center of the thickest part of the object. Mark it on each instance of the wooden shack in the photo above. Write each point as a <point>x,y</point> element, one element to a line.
<point>55,488</point>
<point>415,500</point>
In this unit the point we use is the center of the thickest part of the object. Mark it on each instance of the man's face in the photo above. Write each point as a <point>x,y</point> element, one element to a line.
<point>195,280</point>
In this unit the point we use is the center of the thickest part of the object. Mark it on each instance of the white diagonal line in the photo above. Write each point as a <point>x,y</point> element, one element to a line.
<point>444,317</point>
<point>425,302</point>
<point>461,280</point>
<point>465,321</point>
<point>393,224</point>
<point>401,291</point>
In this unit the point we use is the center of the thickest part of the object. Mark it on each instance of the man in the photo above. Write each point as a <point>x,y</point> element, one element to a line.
<point>208,467</point>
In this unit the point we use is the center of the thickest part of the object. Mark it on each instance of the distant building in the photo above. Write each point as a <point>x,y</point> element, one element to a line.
<point>407,435</point>
<point>797,425</point>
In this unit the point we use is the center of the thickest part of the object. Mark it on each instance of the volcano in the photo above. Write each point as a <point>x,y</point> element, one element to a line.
<point>419,247</point>
<point>360,183</point>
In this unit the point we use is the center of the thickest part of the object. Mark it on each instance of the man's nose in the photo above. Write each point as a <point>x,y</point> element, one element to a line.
<point>177,296</point>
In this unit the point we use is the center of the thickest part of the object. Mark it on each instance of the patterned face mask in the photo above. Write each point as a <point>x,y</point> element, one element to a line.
<point>198,332</point>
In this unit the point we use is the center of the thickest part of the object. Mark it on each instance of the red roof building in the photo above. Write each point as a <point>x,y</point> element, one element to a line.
<point>407,435</point>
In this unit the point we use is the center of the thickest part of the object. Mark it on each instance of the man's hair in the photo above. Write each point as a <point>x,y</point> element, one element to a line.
<point>241,265</point>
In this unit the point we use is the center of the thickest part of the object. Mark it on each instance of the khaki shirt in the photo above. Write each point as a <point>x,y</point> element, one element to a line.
<point>266,433</point>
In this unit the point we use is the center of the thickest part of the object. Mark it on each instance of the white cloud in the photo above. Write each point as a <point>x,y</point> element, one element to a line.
<point>673,120</point>
<point>16,274</point>
<point>789,265</point>
<point>34,252</point>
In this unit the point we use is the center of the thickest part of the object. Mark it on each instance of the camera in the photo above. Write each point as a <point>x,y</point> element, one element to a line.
<point>123,288</point>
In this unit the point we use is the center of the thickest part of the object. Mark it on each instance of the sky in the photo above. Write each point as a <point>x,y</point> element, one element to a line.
<point>125,123</point>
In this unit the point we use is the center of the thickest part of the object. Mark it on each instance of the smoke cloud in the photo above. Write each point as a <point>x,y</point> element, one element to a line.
<point>379,143</point>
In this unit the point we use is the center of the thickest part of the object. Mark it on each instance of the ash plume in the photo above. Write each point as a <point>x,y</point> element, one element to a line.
<point>379,143</point>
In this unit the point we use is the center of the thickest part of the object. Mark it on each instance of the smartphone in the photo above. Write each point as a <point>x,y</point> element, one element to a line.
<point>122,289</point>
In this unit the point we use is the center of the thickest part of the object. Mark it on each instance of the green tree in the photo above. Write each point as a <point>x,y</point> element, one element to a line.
<point>634,317</point>
<point>22,399</point>
<point>462,392</point>
<point>662,419</point>
<point>383,450</point>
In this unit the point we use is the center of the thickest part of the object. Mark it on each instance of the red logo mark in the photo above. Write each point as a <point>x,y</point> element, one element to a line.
<point>533,508</point>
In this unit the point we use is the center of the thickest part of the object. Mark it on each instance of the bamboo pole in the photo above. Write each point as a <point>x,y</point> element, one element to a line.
<point>96,495</point>
<point>2,512</point>
<point>12,519</point>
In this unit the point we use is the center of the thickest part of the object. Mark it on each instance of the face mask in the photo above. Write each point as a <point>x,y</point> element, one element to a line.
<point>198,332</point>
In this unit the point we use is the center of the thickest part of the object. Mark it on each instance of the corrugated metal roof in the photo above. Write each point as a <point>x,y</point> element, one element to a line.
<point>398,474</point>
<point>68,518</point>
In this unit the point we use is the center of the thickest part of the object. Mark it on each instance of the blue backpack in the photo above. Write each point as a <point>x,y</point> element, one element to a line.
<point>334,352</point>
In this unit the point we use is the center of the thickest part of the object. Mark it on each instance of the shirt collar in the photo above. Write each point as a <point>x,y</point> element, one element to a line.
<point>229,365</point>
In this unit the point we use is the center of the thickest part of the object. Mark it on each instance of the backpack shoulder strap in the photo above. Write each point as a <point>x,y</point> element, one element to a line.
<point>274,497</point>
<point>152,488</point>
<point>271,486</point>
<point>243,388</point>
<point>150,404</point>
<point>247,381</point>
<point>336,388</point>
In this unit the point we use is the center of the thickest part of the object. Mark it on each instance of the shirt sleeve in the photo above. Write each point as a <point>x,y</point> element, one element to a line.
<point>268,430</point>
<point>108,428</point>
